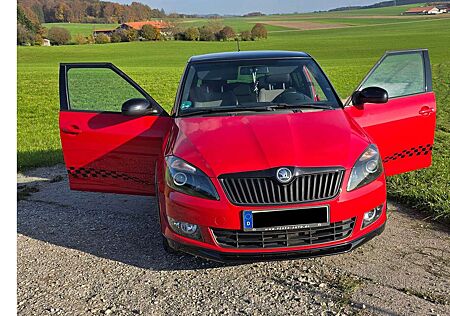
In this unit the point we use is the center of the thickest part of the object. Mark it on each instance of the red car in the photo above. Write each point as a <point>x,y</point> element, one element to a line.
<point>259,158</point>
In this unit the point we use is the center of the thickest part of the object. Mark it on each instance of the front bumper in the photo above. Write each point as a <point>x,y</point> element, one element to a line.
<point>240,257</point>
<point>210,214</point>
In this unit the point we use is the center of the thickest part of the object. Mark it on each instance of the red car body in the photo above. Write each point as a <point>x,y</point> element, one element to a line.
<point>107,151</point>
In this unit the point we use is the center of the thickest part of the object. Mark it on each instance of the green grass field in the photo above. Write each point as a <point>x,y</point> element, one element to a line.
<point>346,54</point>
<point>84,29</point>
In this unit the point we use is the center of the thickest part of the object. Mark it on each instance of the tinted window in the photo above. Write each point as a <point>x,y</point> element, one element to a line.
<point>98,89</point>
<point>255,83</point>
<point>399,75</point>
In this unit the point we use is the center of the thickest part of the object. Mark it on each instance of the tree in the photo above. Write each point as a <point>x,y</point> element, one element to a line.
<point>90,39</point>
<point>24,36</point>
<point>127,35</point>
<point>206,33</point>
<point>122,34</point>
<point>23,20</point>
<point>192,34</point>
<point>259,31</point>
<point>215,25</point>
<point>80,39</point>
<point>102,39</point>
<point>93,11</point>
<point>115,38</point>
<point>58,35</point>
<point>132,35</point>
<point>246,36</point>
<point>150,33</point>
<point>226,33</point>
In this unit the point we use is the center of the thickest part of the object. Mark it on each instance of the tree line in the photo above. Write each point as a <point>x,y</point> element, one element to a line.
<point>87,11</point>
<point>214,31</point>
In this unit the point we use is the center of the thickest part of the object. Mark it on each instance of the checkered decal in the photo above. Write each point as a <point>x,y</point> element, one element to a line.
<point>100,173</point>
<point>413,151</point>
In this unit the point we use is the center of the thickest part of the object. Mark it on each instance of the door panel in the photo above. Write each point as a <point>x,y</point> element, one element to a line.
<point>103,149</point>
<point>403,128</point>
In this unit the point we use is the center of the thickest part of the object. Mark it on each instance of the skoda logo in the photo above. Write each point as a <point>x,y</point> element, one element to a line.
<point>284,175</point>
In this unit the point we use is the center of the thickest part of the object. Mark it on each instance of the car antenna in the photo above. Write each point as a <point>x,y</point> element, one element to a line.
<point>238,46</point>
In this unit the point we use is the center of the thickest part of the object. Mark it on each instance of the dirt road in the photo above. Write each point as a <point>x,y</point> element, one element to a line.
<point>100,254</point>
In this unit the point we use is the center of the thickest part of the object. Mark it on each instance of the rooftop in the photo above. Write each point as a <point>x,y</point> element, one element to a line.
<point>257,54</point>
<point>421,9</point>
<point>139,25</point>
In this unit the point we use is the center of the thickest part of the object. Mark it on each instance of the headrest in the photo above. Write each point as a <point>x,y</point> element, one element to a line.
<point>214,85</point>
<point>242,89</point>
<point>279,78</point>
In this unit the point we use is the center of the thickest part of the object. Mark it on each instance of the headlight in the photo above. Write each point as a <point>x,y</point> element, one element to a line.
<point>366,169</point>
<point>184,177</point>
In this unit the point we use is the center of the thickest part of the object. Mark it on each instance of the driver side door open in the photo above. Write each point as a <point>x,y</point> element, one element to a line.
<point>105,150</point>
<point>403,128</point>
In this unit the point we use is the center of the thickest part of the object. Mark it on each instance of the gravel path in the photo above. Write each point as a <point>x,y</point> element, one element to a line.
<point>100,254</point>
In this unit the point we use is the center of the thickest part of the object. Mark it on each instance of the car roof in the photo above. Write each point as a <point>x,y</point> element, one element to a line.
<point>257,54</point>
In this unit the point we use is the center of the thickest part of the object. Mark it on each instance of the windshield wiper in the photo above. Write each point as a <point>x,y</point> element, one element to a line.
<point>301,105</point>
<point>270,107</point>
<point>227,109</point>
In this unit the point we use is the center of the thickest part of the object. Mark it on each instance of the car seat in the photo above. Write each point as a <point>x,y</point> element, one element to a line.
<point>273,86</point>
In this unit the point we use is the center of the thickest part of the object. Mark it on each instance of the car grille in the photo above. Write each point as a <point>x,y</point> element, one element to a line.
<point>252,189</point>
<point>284,238</point>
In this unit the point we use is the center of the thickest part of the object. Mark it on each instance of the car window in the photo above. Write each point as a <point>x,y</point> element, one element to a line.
<point>399,75</point>
<point>254,83</point>
<point>98,89</point>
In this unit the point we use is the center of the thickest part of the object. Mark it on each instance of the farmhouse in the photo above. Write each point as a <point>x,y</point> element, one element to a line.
<point>429,10</point>
<point>161,25</point>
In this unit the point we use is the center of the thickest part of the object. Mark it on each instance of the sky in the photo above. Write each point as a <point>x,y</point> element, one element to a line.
<point>244,6</point>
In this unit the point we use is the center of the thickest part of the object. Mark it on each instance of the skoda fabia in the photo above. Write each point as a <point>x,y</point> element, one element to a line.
<point>259,158</point>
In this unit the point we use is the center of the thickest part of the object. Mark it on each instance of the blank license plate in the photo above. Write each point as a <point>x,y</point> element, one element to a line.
<point>286,219</point>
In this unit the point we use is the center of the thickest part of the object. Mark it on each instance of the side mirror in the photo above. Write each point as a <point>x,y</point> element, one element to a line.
<point>137,107</point>
<point>370,95</point>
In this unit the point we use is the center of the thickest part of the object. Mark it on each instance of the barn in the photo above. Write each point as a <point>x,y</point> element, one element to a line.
<point>161,25</point>
<point>429,10</point>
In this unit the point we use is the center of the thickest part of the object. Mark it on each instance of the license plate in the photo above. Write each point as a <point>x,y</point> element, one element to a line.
<point>298,218</point>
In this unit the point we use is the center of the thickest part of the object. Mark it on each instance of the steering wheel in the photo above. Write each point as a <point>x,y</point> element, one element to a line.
<point>292,97</point>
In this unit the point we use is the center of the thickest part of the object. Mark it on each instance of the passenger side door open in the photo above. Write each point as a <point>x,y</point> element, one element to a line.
<point>403,127</point>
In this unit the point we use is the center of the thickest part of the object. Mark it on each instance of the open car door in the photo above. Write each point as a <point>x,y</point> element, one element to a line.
<point>403,128</point>
<point>112,132</point>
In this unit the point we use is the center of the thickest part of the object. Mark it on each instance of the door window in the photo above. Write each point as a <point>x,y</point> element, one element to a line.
<point>399,74</point>
<point>98,89</point>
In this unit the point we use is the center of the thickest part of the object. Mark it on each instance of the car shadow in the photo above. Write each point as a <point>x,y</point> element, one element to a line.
<point>115,227</point>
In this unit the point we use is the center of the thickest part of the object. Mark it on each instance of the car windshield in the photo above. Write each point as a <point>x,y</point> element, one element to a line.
<point>261,84</point>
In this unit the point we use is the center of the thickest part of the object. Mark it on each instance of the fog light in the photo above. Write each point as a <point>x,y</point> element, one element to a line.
<point>372,215</point>
<point>185,229</point>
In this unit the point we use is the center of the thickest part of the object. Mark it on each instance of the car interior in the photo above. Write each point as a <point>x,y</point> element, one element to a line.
<point>248,86</point>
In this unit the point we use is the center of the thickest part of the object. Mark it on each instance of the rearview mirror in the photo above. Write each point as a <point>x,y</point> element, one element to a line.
<point>249,70</point>
<point>138,107</point>
<point>370,95</point>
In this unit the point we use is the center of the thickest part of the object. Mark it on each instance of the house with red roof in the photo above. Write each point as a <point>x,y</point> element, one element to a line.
<point>162,26</point>
<point>428,10</point>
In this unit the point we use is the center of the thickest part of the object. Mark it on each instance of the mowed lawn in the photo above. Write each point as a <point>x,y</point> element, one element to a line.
<point>84,29</point>
<point>346,54</point>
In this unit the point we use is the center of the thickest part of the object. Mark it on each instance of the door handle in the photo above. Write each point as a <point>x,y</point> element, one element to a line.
<point>425,111</point>
<point>71,129</point>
